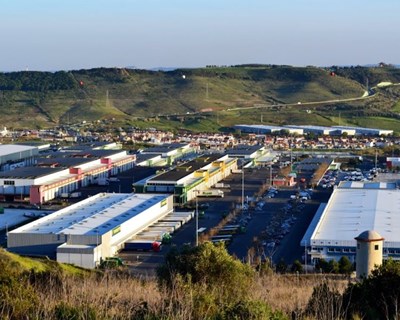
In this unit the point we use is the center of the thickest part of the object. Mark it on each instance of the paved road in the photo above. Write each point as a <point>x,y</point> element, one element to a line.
<point>260,106</point>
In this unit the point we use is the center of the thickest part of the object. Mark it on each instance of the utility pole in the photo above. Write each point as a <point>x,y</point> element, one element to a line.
<point>270,175</point>
<point>291,155</point>
<point>305,256</point>
<point>242,188</point>
<point>197,220</point>
<point>107,100</point>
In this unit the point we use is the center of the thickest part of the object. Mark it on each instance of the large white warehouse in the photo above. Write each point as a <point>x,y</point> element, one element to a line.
<point>90,230</point>
<point>353,208</point>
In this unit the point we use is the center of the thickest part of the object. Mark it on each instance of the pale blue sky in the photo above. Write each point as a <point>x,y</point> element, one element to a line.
<point>75,34</point>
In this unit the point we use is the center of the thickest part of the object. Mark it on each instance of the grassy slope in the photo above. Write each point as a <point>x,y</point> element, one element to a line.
<point>135,94</point>
<point>21,264</point>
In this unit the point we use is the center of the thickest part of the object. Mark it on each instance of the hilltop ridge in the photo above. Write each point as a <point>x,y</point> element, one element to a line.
<point>43,99</point>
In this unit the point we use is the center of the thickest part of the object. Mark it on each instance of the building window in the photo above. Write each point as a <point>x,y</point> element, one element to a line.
<point>377,247</point>
<point>358,246</point>
<point>9,182</point>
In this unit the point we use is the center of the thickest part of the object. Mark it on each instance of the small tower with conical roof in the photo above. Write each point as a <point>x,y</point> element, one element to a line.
<point>369,252</point>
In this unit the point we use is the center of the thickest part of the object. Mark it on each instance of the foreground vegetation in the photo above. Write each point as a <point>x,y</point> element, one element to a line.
<point>198,99</point>
<point>194,283</point>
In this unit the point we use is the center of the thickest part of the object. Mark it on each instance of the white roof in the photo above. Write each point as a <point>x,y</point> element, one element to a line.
<point>6,149</point>
<point>367,185</point>
<point>313,127</point>
<point>352,211</point>
<point>95,215</point>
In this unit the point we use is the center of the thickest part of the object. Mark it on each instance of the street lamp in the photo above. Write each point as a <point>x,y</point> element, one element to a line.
<point>270,175</point>
<point>197,221</point>
<point>305,256</point>
<point>197,218</point>
<point>242,188</point>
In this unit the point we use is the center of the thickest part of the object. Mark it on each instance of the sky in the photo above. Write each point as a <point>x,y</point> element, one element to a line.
<point>81,34</point>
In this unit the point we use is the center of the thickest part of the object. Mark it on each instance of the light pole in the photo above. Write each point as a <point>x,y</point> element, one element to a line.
<point>197,219</point>
<point>242,188</point>
<point>305,256</point>
<point>270,175</point>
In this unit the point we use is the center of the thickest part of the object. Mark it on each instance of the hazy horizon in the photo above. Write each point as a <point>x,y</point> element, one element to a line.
<point>44,35</point>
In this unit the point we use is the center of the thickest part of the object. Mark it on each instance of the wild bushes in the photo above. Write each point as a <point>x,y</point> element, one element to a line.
<point>217,285</point>
<point>195,283</point>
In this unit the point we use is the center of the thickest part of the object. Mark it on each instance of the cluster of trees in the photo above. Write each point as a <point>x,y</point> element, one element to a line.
<point>37,81</point>
<point>344,266</point>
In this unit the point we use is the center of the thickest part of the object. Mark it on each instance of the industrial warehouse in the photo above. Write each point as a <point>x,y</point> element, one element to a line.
<point>91,230</point>
<point>319,130</point>
<point>186,180</point>
<point>353,208</point>
<point>61,172</point>
<point>14,156</point>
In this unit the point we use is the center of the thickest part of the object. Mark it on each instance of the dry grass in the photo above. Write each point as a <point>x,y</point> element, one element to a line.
<point>112,296</point>
<point>121,296</point>
<point>289,292</point>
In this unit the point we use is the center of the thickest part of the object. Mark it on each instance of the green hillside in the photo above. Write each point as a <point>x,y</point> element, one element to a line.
<point>169,99</point>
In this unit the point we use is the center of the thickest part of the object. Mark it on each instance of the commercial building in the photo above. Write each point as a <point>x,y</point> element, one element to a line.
<point>170,152</point>
<point>61,172</point>
<point>353,208</point>
<point>185,180</point>
<point>264,129</point>
<point>149,160</point>
<point>244,151</point>
<point>367,131</point>
<point>319,130</point>
<point>14,156</point>
<point>325,131</point>
<point>90,230</point>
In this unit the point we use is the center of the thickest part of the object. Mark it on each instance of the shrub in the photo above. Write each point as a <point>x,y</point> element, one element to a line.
<point>250,310</point>
<point>377,296</point>
<point>17,298</point>
<point>296,267</point>
<point>211,265</point>
<point>325,303</point>
<point>345,265</point>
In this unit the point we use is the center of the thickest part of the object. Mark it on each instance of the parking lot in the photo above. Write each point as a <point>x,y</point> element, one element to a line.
<point>263,220</point>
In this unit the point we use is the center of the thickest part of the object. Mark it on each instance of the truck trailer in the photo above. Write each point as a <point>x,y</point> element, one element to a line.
<point>221,185</point>
<point>142,245</point>
<point>211,193</point>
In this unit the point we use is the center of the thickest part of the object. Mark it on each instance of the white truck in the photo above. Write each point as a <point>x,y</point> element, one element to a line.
<point>75,194</point>
<point>221,185</point>
<point>211,193</point>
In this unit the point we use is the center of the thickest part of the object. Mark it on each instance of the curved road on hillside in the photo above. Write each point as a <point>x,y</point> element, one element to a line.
<point>365,96</point>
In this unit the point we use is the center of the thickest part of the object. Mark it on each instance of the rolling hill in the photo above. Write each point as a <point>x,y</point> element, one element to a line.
<point>175,98</point>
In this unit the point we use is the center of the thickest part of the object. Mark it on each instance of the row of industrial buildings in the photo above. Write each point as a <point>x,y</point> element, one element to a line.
<point>36,174</point>
<point>306,129</point>
<point>89,231</point>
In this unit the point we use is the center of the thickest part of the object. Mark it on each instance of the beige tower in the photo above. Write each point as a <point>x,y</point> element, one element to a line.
<point>368,253</point>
